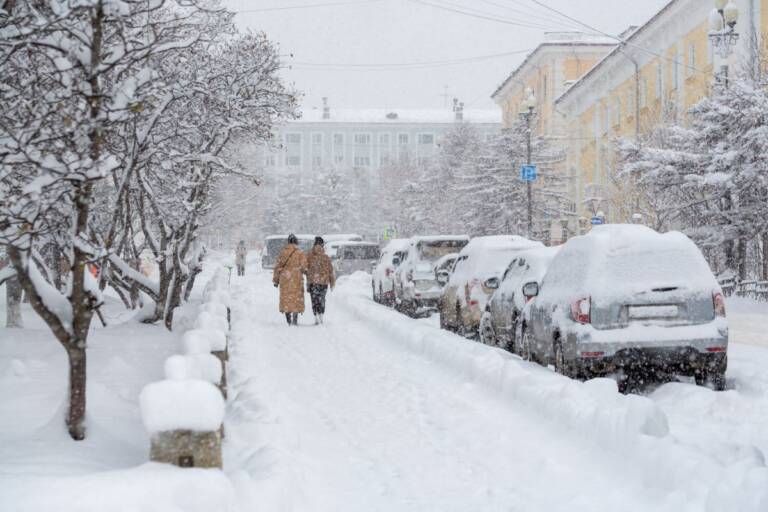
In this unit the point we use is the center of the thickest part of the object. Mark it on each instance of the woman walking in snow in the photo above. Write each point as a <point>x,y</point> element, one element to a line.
<point>241,251</point>
<point>289,276</point>
<point>320,276</point>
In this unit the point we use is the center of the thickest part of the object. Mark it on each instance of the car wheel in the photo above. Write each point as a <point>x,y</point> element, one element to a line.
<point>487,336</point>
<point>525,343</point>
<point>561,366</point>
<point>714,379</point>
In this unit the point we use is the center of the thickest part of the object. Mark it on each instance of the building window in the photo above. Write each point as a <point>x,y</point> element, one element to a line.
<point>317,138</point>
<point>269,161</point>
<point>293,138</point>
<point>617,112</point>
<point>362,161</point>
<point>338,139</point>
<point>426,138</point>
<point>338,159</point>
<point>402,139</point>
<point>676,71</point>
<point>317,161</point>
<point>631,100</point>
<point>643,92</point>
<point>691,68</point>
<point>383,160</point>
<point>294,161</point>
<point>362,138</point>
<point>384,139</point>
<point>659,81</point>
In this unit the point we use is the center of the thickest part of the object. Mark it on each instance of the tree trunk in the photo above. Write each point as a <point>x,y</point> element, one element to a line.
<point>742,258</point>
<point>135,265</point>
<point>191,283</point>
<point>765,257</point>
<point>174,298</point>
<point>77,378</point>
<point>13,301</point>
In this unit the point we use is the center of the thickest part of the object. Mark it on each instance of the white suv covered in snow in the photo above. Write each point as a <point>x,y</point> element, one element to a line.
<point>416,287</point>
<point>627,299</point>
<point>383,276</point>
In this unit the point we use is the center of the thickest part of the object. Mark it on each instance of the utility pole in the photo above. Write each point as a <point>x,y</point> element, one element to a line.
<point>526,113</point>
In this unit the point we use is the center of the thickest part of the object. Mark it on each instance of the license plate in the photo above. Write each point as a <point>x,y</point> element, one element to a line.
<point>641,312</point>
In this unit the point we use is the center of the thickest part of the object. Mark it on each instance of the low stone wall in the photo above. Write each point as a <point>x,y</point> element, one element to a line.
<point>187,448</point>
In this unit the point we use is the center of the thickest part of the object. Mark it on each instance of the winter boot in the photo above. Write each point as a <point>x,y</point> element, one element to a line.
<point>320,316</point>
<point>288,318</point>
<point>317,319</point>
<point>295,319</point>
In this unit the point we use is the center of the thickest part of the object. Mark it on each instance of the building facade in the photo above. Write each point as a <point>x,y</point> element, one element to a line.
<point>547,72</point>
<point>363,141</point>
<point>655,75</point>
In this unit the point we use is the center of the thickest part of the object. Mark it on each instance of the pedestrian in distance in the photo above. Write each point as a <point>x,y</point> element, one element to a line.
<point>320,276</point>
<point>241,251</point>
<point>289,277</point>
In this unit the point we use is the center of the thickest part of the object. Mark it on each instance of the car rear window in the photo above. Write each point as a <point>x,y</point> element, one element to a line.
<point>361,252</point>
<point>433,251</point>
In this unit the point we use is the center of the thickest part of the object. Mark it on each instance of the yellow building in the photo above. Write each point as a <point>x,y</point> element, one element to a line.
<point>656,74</point>
<point>548,71</point>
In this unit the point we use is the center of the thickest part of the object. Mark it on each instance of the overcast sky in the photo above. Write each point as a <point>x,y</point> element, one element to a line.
<point>392,53</point>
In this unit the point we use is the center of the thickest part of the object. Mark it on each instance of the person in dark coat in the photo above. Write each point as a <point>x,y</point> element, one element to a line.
<point>320,276</point>
<point>289,277</point>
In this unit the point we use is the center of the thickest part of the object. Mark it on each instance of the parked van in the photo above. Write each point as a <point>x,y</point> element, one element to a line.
<point>353,256</point>
<point>275,243</point>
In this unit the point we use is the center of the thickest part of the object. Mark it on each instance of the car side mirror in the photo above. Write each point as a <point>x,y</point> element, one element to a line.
<point>492,283</point>
<point>442,277</point>
<point>531,289</point>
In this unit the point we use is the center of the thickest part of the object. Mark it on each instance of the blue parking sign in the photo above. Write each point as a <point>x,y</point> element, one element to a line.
<point>596,221</point>
<point>528,172</point>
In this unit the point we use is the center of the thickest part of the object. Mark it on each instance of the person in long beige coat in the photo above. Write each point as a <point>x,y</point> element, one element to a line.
<point>289,276</point>
<point>320,276</point>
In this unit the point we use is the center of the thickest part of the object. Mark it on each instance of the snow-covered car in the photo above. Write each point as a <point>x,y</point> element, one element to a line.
<point>504,309</point>
<point>626,299</point>
<point>416,286</point>
<point>382,277</point>
<point>443,268</point>
<point>475,276</point>
<point>353,256</point>
<point>333,241</point>
<point>275,243</point>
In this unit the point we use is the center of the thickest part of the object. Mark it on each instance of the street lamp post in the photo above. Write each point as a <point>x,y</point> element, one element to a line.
<point>527,111</point>
<point>722,31</point>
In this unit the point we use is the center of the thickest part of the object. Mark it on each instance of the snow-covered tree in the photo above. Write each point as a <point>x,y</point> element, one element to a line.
<point>114,115</point>
<point>709,177</point>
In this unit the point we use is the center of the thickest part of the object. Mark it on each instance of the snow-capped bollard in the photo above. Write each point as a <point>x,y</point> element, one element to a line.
<point>184,417</point>
<point>212,341</point>
<point>206,320</point>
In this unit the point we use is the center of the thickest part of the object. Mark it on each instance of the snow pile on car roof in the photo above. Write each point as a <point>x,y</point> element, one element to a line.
<point>624,259</point>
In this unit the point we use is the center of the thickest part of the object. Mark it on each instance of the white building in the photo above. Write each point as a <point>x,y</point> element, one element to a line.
<point>364,140</point>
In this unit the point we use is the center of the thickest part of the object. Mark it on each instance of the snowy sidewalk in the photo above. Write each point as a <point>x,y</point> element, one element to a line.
<point>336,418</point>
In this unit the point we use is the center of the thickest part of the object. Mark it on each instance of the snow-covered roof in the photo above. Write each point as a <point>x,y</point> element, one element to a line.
<point>397,116</point>
<point>500,242</point>
<point>441,238</point>
<point>335,237</point>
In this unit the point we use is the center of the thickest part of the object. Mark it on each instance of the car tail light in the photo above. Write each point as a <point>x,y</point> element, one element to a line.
<point>592,354</point>
<point>715,349</point>
<point>719,302</point>
<point>580,310</point>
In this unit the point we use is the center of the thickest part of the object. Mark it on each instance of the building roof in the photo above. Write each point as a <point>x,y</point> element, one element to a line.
<point>626,38</point>
<point>558,40</point>
<point>402,116</point>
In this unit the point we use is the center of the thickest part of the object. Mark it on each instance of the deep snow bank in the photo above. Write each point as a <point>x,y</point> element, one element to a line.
<point>634,428</point>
